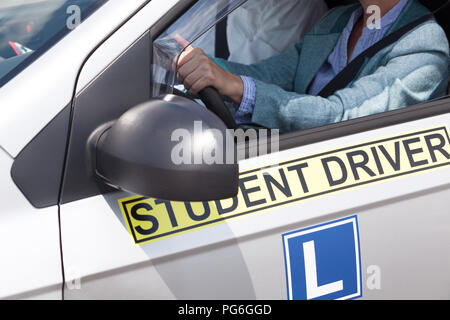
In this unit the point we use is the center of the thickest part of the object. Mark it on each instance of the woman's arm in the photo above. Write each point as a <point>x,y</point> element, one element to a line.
<point>279,70</point>
<point>413,71</point>
<point>197,71</point>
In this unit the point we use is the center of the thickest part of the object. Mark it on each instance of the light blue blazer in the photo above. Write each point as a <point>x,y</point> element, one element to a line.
<point>410,71</point>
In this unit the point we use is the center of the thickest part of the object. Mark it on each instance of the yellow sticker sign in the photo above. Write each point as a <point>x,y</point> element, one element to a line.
<point>292,182</point>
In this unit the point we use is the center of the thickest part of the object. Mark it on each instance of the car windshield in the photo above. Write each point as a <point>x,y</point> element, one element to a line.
<point>200,18</point>
<point>28,28</point>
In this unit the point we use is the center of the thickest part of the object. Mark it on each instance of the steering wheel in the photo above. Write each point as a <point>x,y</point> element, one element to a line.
<point>213,102</point>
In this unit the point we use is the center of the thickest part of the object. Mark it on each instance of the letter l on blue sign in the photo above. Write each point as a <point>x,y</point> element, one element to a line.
<point>323,262</point>
<point>312,289</point>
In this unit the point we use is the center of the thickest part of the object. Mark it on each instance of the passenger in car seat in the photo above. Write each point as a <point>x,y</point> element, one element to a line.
<point>261,29</point>
<point>282,91</point>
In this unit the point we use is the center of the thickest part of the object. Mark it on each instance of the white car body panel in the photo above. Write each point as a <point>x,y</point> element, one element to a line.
<point>381,209</point>
<point>30,247</point>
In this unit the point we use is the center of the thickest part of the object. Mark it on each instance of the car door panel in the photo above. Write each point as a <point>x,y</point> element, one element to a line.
<point>402,224</point>
<point>382,214</point>
<point>113,263</point>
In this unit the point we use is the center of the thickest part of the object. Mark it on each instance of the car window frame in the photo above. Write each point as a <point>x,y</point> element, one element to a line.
<point>330,131</point>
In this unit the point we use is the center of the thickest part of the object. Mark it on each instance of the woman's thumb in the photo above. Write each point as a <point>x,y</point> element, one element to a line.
<point>181,41</point>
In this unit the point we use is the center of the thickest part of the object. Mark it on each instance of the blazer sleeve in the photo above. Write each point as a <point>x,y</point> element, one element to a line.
<point>279,70</point>
<point>411,71</point>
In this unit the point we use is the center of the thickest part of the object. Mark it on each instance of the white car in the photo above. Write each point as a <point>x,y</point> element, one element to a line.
<point>358,209</point>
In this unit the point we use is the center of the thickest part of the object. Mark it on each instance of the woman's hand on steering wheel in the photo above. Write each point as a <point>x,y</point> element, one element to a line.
<point>197,72</point>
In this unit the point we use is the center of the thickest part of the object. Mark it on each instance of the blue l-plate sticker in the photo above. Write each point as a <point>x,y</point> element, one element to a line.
<point>323,261</point>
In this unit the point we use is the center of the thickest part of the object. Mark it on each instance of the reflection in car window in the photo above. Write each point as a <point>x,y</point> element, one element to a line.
<point>28,28</point>
<point>195,22</point>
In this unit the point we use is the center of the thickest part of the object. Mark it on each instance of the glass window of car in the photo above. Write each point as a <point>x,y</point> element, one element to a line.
<point>198,20</point>
<point>196,26</point>
<point>28,28</point>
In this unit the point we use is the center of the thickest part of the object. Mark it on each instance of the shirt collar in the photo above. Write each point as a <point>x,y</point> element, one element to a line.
<point>386,21</point>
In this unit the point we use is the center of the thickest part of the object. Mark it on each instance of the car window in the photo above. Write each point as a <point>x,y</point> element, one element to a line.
<point>415,81</point>
<point>28,28</point>
<point>200,18</point>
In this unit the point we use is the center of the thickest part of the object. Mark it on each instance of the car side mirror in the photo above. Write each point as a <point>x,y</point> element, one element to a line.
<point>157,149</point>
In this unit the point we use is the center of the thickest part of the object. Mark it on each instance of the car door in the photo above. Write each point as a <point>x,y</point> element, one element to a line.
<point>350,210</point>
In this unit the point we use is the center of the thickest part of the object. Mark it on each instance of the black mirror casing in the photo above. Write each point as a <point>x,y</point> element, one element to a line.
<point>134,153</point>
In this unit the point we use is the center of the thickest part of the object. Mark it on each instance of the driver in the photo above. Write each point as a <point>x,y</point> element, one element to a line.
<point>282,92</point>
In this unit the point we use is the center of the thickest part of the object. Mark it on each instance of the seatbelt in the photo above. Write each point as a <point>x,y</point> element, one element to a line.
<point>221,45</point>
<point>349,73</point>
